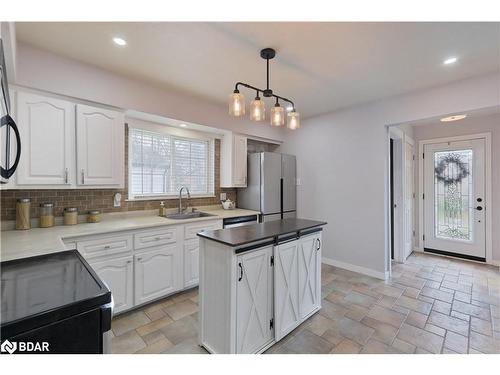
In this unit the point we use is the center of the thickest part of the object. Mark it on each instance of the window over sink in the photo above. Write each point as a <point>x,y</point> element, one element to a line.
<point>160,164</point>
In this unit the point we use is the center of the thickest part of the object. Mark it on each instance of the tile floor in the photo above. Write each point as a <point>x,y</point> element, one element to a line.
<point>430,305</point>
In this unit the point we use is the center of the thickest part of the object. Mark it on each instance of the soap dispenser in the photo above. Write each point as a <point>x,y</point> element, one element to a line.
<point>162,209</point>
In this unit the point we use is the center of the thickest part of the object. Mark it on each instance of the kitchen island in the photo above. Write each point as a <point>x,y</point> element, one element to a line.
<point>257,283</point>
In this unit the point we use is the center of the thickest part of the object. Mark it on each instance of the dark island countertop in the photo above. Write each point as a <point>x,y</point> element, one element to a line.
<point>247,234</point>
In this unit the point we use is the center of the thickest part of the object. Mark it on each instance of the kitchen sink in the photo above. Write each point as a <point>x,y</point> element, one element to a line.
<point>188,215</point>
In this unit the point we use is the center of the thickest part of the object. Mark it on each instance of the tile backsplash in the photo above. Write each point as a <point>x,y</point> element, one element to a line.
<point>102,199</point>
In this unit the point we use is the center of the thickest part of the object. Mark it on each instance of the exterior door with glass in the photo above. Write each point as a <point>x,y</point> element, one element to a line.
<point>454,198</point>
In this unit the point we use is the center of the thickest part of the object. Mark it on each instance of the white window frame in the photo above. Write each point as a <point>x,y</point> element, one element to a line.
<point>173,135</point>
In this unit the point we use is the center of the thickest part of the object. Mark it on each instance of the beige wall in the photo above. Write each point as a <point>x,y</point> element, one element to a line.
<point>473,125</point>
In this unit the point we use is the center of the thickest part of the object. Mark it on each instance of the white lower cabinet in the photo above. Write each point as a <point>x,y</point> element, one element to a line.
<point>297,279</point>
<point>157,273</point>
<point>191,262</point>
<point>250,299</point>
<point>286,288</point>
<point>118,275</point>
<point>254,301</point>
<point>309,264</point>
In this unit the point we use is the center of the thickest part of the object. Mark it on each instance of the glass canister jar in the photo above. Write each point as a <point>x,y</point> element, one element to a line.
<point>23,214</point>
<point>46,215</point>
<point>70,216</point>
<point>94,216</point>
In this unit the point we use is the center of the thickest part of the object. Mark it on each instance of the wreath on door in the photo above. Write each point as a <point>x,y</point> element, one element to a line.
<point>444,165</point>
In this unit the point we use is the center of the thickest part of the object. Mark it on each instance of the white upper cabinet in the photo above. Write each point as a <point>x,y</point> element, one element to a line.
<point>100,140</point>
<point>47,129</point>
<point>233,160</point>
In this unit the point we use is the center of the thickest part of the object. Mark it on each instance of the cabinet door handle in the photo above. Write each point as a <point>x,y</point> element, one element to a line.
<point>107,246</point>
<point>66,179</point>
<point>241,271</point>
<point>157,238</point>
<point>129,261</point>
<point>83,176</point>
<point>139,259</point>
<point>319,244</point>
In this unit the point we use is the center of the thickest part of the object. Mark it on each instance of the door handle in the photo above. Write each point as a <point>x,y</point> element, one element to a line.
<point>479,208</point>
<point>241,271</point>
<point>83,176</point>
<point>66,172</point>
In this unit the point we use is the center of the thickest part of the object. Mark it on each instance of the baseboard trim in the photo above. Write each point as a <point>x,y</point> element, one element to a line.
<point>355,268</point>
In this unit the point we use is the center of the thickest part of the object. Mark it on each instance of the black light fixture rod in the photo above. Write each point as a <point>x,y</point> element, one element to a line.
<point>267,73</point>
<point>257,89</point>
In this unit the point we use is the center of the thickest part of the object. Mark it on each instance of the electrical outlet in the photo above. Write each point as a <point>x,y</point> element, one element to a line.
<point>223,196</point>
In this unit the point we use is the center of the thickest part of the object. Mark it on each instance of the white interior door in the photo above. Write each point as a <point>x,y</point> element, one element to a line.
<point>409,196</point>
<point>254,301</point>
<point>454,200</point>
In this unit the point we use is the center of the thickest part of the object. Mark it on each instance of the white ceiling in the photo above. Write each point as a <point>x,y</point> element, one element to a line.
<point>321,66</point>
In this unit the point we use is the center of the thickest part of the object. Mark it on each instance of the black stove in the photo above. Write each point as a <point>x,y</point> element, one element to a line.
<point>56,299</point>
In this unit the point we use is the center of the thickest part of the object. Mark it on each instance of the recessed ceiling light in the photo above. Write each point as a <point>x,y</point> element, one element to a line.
<point>119,41</point>
<point>453,118</point>
<point>450,60</point>
<point>183,125</point>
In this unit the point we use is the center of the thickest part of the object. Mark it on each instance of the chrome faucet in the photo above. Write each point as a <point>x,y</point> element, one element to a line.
<point>180,198</point>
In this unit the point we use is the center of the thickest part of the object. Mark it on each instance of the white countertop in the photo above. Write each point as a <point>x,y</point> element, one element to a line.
<point>17,244</point>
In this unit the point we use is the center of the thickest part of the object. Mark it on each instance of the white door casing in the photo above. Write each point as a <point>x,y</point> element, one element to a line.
<point>286,289</point>
<point>461,230</point>
<point>100,137</point>
<point>309,263</point>
<point>157,273</point>
<point>47,129</point>
<point>117,274</point>
<point>254,300</point>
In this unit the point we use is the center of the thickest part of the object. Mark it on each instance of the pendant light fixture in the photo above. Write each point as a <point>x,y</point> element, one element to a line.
<point>257,109</point>
<point>257,106</point>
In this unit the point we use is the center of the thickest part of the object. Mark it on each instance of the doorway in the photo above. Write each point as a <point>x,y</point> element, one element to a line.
<point>454,198</point>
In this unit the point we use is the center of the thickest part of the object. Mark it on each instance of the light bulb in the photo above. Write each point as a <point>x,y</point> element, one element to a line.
<point>277,115</point>
<point>293,120</point>
<point>257,110</point>
<point>236,104</point>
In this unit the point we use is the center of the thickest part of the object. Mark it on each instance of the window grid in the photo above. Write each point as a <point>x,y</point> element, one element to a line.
<point>160,164</point>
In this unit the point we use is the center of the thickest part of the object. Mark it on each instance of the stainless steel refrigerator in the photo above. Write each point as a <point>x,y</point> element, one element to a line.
<point>271,186</point>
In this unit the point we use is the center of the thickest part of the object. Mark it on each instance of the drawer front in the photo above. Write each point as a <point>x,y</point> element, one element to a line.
<point>105,246</point>
<point>155,237</point>
<point>190,230</point>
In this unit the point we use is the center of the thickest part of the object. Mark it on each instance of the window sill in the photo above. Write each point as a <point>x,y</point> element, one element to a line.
<point>167,197</point>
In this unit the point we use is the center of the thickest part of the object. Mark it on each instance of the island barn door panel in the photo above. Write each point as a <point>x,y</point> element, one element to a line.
<point>286,288</point>
<point>309,264</point>
<point>254,300</point>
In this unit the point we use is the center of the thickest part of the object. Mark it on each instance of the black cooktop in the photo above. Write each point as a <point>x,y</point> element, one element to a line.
<point>47,288</point>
